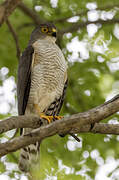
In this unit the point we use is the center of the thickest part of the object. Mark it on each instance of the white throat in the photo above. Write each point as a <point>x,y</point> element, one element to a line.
<point>50,39</point>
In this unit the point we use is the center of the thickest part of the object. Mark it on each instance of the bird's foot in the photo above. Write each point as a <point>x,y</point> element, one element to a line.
<point>58,117</point>
<point>48,118</point>
<point>42,115</point>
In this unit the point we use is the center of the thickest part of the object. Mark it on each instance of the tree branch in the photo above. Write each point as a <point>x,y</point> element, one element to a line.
<point>29,12</point>
<point>106,128</point>
<point>15,38</point>
<point>84,12</point>
<point>6,8</point>
<point>50,130</point>
<point>89,117</point>
<point>77,123</point>
<point>73,27</point>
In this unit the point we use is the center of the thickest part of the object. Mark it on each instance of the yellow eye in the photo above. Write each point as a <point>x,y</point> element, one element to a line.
<point>44,29</point>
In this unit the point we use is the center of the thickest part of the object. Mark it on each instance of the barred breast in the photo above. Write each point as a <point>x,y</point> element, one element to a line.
<point>48,73</point>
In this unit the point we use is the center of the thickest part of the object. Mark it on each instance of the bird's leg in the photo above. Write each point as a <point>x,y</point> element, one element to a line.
<point>42,115</point>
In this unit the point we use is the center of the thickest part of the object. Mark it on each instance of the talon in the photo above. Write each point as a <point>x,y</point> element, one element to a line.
<point>42,115</point>
<point>48,118</point>
<point>58,117</point>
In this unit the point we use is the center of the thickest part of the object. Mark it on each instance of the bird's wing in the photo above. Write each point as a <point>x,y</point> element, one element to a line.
<point>56,105</point>
<point>24,79</point>
<point>62,97</point>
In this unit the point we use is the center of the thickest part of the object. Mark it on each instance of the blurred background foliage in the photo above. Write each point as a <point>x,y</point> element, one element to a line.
<point>89,38</point>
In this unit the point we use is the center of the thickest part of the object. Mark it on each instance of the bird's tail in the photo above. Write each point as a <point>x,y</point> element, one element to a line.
<point>29,156</point>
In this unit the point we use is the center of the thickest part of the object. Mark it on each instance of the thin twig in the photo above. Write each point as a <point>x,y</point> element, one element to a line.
<point>75,137</point>
<point>6,8</point>
<point>25,25</point>
<point>73,27</point>
<point>15,38</point>
<point>84,12</point>
<point>29,12</point>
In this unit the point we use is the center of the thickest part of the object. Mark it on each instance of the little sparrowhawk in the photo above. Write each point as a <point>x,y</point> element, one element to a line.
<point>42,82</point>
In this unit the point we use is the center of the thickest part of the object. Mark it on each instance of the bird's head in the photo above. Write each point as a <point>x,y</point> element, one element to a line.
<point>42,31</point>
<point>48,29</point>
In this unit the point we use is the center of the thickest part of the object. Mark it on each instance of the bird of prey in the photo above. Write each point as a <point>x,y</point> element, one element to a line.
<point>42,82</point>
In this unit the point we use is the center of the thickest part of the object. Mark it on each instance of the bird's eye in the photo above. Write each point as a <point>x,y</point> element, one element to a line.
<point>44,29</point>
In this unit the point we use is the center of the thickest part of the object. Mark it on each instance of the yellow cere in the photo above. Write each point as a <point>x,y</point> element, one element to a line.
<point>54,30</point>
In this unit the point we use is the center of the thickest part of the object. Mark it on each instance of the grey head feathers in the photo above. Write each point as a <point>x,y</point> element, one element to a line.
<point>42,31</point>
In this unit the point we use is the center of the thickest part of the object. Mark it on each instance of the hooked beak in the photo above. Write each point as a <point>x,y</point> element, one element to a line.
<point>54,32</point>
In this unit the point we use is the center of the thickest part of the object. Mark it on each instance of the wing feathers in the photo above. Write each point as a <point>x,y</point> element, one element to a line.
<point>55,106</point>
<point>24,79</point>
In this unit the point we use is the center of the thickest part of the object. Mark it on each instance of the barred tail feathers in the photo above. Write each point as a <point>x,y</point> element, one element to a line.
<point>29,155</point>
